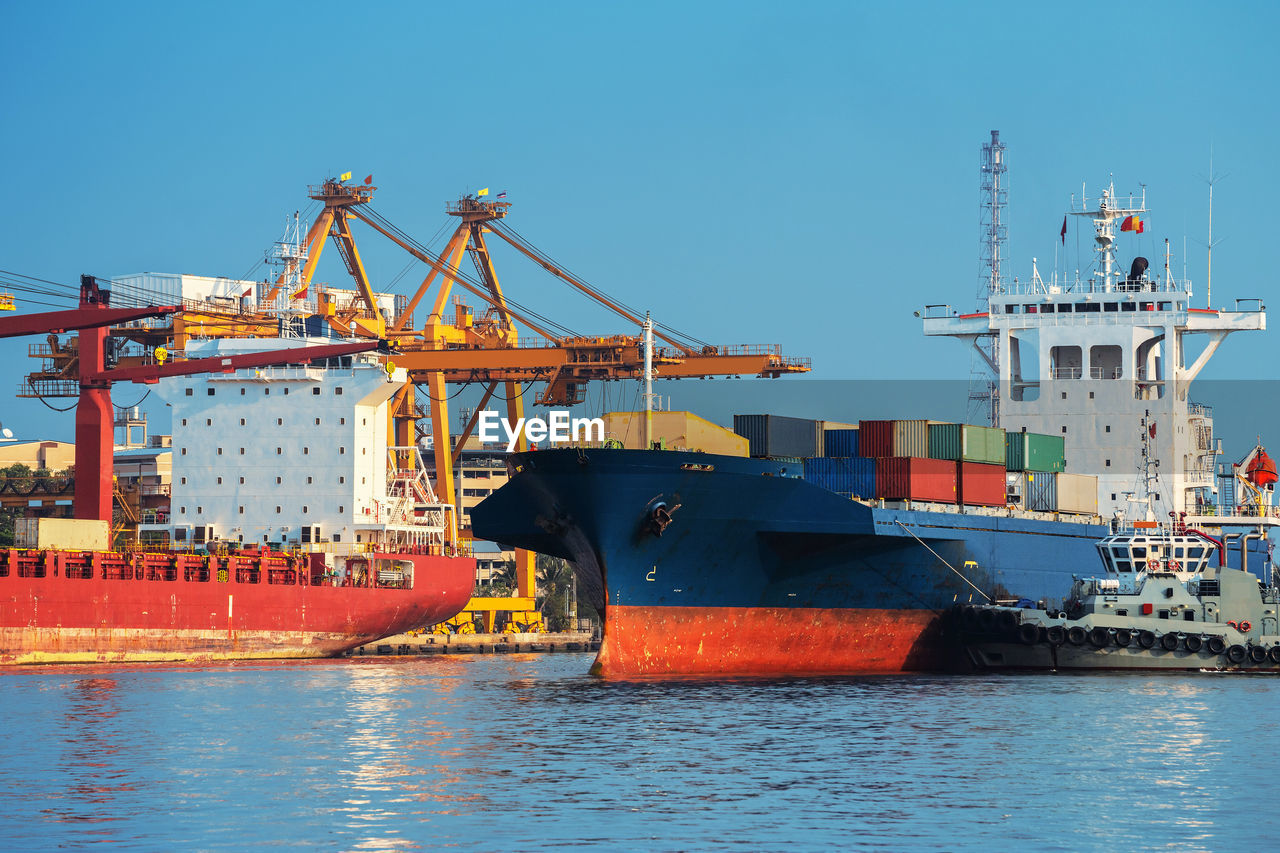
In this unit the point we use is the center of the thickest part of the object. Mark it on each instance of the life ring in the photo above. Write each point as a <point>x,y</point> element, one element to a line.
<point>1028,633</point>
<point>1076,635</point>
<point>1055,635</point>
<point>1153,565</point>
<point>1231,623</point>
<point>1174,566</point>
<point>1244,627</point>
<point>1099,637</point>
<point>1194,642</point>
<point>1169,642</point>
<point>1257,654</point>
<point>1236,653</point>
<point>1146,639</point>
<point>1217,645</point>
<point>1124,637</point>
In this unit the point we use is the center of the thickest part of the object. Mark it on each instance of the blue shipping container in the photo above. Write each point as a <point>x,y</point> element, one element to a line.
<point>840,443</point>
<point>847,477</point>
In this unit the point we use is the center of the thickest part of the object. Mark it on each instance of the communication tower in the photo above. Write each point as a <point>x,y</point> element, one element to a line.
<point>984,387</point>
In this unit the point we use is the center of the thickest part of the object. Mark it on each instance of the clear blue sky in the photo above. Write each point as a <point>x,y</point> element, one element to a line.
<point>803,174</point>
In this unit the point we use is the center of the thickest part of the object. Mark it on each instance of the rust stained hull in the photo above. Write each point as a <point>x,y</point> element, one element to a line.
<point>766,641</point>
<point>75,619</point>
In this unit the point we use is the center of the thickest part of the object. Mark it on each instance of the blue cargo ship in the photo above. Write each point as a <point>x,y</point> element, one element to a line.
<point>707,564</point>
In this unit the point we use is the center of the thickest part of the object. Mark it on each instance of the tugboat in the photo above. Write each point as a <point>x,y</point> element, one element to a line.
<point>1161,603</point>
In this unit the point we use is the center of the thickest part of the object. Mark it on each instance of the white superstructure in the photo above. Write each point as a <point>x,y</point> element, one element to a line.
<point>296,457</point>
<point>1105,361</point>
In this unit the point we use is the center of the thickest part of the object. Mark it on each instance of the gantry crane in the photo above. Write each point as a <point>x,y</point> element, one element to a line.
<point>457,346</point>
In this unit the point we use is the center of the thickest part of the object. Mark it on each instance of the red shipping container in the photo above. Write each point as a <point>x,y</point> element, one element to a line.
<point>875,438</point>
<point>913,478</point>
<point>980,484</point>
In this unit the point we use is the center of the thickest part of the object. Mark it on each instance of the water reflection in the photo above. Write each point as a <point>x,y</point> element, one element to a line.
<point>92,776</point>
<point>526,752</point>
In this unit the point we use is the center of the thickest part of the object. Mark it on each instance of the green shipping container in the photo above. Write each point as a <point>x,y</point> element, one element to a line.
<point>967,443</point>
<point>1031,451</point>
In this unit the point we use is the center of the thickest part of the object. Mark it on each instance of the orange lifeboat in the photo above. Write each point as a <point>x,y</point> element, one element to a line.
<point>1262,470</point>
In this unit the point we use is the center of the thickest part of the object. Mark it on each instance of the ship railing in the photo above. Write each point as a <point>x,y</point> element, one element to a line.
<point>1092,285</point>
<point>1200,410</point>
<point>1065,372</point>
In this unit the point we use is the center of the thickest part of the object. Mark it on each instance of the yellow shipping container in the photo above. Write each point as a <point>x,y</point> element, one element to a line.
<point>678,430</point>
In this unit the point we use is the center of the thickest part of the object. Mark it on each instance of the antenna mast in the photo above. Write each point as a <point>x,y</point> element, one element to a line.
<point>984,389</point>
<point>1208,283</point>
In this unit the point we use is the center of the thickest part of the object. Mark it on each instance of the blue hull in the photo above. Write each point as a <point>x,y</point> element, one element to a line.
<point>747,535</point>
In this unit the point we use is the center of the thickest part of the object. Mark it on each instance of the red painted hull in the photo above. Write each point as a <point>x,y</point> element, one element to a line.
<point>63,608</point>
<point>766,641</point>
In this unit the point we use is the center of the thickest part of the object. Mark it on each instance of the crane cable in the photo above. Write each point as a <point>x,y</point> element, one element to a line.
<point>460,276</point>
<point>506,230</point>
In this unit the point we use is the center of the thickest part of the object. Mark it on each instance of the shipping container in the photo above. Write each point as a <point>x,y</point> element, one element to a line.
<point>68,534</point>
<point>678,430</point>
<point>911,438</point>
<point>915,478</point>
<point>775,435</point>
<point>840,443</point>
<point>875,438</point>
<point>851,477</point>
<point>968,443</point>
<point>1031,451</point>
<point>1077,493</point>
<point>980,484</point>
<point>1041,492</point>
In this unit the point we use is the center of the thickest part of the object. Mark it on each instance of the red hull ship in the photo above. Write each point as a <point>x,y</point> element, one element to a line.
<point>88,607</point>
<point>65,598</point>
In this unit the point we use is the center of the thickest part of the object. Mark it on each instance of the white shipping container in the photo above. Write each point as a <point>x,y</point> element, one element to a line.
<point>66,534</point>
<point>1077,493</point>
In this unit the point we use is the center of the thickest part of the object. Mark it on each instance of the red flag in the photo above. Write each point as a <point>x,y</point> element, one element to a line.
<point>1152,430</point>
<point>1132,223</point>
<point>248,292</point>
<point>368,180</point>
<point>1064,231</point>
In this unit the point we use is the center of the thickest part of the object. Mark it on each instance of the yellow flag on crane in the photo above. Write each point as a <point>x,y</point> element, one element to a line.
<point>484,191</point>
<point>346,176</point>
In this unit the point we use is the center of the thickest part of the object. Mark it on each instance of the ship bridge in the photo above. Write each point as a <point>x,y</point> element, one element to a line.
<point>1107,362</point>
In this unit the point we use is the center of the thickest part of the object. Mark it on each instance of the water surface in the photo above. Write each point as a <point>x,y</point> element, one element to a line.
<point>527,752</point>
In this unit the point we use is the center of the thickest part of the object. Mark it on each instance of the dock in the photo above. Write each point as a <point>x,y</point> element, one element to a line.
<point>479,644</point>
